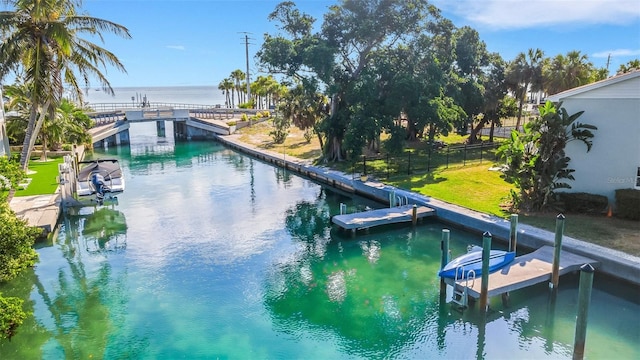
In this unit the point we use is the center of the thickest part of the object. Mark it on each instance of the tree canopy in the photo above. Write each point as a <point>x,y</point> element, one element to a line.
<point>45,47</point>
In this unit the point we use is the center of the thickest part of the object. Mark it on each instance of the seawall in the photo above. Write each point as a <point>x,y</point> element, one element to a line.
<point>611,262</point>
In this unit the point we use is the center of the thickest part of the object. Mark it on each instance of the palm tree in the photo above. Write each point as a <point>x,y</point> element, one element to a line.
<point>237,76</point>
<point>43,40</point>
<point>525,74</point>
<point>18,107</point>
<point>74,124</point>
<point>69,125</point>
<point>630,66</point>
<point>567,72</point>
<point>274,90</point>
<point>226,85</point>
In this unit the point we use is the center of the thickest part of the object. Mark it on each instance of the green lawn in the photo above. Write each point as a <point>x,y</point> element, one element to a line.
<point>44,179</point>
<point>614,233</point>
<point>472,186</point>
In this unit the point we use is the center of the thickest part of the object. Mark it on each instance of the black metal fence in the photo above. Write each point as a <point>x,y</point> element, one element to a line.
<point>424,161</point>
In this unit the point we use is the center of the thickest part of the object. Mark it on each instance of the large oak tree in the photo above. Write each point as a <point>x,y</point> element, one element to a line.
<point>340,56</point>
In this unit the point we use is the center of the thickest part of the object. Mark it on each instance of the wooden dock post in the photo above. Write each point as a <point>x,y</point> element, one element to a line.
<point>584,298</point>
<point>444,246</point>
<point>414,215</point>
<point>444,259</point>
<point>484,286</point>
<point>513,233</point>
<point>555,271</point>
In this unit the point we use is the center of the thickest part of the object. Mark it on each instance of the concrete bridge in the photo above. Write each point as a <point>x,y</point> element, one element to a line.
<point>112,127</point>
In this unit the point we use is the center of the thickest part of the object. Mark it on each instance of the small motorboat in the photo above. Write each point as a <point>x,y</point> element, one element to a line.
<point>460,267</point>
<point>99,179</point>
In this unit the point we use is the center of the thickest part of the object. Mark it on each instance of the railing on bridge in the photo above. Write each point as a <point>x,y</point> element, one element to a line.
<point>106,113</point>
<point>102,107</point>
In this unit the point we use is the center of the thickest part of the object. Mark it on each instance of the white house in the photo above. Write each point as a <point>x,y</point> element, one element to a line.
<point>613,105</point>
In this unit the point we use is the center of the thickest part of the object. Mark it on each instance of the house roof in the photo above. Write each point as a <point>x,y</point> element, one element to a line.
<point>596,85</point>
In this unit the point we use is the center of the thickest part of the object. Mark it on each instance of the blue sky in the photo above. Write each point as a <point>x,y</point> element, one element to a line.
<point>199,42</point>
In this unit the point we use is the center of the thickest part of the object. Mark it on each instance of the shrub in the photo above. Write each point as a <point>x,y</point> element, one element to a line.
<point>232,123</point>
<point>247,105</point>
<point>244,117</point>
<point>628,203</point>
<point>266,114</point>
<point>11,316</point>
<point>584,203</point>
<point>281,129</point>
<point>16,244</point>
<point>16,254</point>
<point>11,173</point>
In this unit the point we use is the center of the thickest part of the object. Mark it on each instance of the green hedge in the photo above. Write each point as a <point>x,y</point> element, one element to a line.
<point>584,203</point>
<point>628,203</point>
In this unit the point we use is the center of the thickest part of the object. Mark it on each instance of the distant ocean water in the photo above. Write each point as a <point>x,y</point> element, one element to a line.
<point>199,95</point>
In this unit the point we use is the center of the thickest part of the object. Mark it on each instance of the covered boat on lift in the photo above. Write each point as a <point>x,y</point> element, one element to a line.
<point>460,267</point>
<point>99,179</point>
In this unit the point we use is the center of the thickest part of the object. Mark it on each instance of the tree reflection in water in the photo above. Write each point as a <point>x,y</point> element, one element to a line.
<point>79,308</point>
<point>364,290</point>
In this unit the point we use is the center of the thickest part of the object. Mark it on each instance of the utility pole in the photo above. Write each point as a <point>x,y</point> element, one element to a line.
<point>246,47</point>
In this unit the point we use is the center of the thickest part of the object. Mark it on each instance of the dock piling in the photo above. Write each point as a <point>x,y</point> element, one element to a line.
<point>414,215</point>
<point>484,286</point>
<point>584,298</point>
<point>343,209</point>
<point>444,246</point>
<point>444,260</point>
<point>555,272</point>
<point>513,233</point>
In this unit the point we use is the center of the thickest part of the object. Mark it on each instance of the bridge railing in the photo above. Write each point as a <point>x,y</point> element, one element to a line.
<point>102,107</point>
<point>106,113</point>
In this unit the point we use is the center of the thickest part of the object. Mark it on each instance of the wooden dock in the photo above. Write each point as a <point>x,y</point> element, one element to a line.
<point>524,271</point>
<point>372,218</point>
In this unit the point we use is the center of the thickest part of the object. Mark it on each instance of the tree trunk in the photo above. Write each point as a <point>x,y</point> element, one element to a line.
<point>26,152</point>
<point>412,132</point>
<point>43,156</point>
<point>28,134</point>
<point>334,149</point>
<point>315,129</point>
<point>519,114</point>
<point>493,125</point>
<point>473,136</point>
<point>522,98</point>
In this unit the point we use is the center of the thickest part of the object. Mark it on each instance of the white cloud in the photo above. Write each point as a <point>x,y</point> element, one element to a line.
<point>175,47</point>
<point>519,14</point>
<point>616,52</point>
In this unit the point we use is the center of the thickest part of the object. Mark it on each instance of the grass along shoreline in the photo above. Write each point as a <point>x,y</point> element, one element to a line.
<point>471,186</point>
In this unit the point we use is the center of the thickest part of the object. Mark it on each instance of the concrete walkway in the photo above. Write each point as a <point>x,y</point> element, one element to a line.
<point>41,211</point>
<point>612,262</point>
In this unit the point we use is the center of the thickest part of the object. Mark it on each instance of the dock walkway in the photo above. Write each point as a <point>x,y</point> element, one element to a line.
<point>524,271</point>
<point>38,210</point>
<point>385,216</point>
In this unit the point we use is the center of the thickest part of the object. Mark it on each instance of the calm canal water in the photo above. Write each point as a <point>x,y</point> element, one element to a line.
<point>211,254</point>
